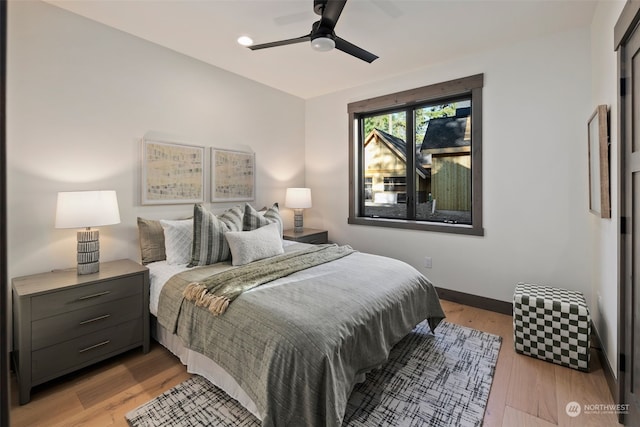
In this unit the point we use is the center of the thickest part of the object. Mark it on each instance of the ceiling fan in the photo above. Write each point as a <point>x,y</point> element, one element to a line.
<point>322,36</point>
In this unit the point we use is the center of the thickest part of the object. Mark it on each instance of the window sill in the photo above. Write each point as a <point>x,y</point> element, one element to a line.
<point>419,225</point>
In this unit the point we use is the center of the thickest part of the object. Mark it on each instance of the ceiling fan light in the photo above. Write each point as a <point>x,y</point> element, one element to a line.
<point>323,44</point>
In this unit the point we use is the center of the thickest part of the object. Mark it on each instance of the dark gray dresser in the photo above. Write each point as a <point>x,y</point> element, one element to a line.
<point>63,322</point>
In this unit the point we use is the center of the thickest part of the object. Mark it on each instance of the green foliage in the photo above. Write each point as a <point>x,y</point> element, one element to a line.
<point>393,123</point>
<point>396,123</point>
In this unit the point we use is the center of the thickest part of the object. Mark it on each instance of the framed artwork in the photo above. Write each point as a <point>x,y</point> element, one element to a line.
<point>232,175</point>
<point>171,173</point>
<point>598,131</point>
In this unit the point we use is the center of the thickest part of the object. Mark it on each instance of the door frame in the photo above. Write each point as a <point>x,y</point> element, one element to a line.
<point>4,280</point>
<point>625,26</point>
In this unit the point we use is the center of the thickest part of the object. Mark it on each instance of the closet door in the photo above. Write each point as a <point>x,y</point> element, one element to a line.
<point>628,34</point>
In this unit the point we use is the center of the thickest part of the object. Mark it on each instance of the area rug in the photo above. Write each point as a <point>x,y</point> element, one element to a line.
<point>440,379</point>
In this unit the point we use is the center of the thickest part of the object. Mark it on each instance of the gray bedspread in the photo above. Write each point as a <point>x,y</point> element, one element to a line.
<point>297,345</point>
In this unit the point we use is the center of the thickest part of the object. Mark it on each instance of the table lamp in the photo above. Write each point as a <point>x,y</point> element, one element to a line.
<point>298,199</point>
<point>86,209</point>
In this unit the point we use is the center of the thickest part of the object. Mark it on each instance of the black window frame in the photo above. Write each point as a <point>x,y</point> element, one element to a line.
<point>436,93</point>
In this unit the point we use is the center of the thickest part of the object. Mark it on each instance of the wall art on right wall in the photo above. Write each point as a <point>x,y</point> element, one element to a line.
<point>598,131</point>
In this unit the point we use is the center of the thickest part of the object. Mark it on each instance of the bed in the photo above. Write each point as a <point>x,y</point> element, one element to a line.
<point>290,350</point>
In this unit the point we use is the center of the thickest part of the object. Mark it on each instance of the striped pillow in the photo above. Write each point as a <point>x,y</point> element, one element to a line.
<point>209,244</point>
<point>254,219</point>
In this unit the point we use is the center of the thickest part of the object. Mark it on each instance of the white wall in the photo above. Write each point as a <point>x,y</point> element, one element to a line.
<point>604,250</point>
<point>536,218</point>
<point>81,96</point>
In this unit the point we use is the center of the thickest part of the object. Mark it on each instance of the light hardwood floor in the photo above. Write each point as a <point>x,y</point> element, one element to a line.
<point>525,392</point>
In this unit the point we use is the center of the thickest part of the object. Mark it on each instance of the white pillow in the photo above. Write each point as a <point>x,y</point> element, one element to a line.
<point>249,246</point>
<point>178,238</point>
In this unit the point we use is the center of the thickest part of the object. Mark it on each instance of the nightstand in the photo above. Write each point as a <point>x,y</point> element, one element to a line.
<point>308,235</point>
<point>63,321</point>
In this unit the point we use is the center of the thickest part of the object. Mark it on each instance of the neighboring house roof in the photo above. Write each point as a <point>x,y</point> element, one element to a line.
<point>398,146</point>
<point>447,132</point>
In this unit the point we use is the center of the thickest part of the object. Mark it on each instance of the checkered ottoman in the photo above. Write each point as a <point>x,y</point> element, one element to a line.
<point>552,324</point>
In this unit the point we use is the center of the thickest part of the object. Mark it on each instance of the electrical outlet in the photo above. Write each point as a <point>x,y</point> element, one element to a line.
<point>427,262</point>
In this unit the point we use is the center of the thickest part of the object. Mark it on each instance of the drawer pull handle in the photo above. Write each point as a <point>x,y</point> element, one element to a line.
<point>95,319</point>
<point>100,344</point>
<point>99,294</point>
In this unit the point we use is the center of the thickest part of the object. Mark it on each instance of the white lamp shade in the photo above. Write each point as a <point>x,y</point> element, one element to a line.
<point>298,198</point>
<point>78,209</point>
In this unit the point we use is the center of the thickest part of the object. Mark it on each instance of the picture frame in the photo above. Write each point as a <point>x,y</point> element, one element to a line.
<point>598,139</point>
<point>172,173</point>
<point>232,175</point>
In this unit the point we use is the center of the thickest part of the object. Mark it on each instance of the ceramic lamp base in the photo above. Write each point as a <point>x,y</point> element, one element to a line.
<point>88,251</point>
<point>297,221</point>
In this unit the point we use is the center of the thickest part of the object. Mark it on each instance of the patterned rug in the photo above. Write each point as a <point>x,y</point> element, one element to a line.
<point>429,380</point>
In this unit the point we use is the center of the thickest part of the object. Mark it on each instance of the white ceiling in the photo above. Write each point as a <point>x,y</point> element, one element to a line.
<point>405,34</point>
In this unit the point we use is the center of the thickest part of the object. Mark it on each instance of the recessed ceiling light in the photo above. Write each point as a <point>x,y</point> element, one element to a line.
<point>245,40</point>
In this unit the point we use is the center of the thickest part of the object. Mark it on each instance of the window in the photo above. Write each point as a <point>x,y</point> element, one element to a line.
<point>416,158</point>
<point>395,183</point>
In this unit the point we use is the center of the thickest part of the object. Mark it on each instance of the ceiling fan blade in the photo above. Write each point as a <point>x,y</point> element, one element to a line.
<point>331,13</point>
<point>281,42</point>
<point>352,49</point>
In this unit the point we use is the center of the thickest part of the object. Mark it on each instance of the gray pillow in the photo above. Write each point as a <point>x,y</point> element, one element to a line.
<point>151,238</point>
<point>249,246</point>
<point>209,244</point>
